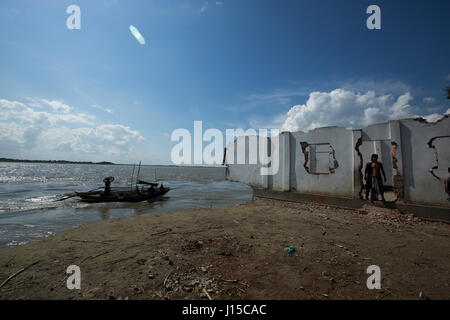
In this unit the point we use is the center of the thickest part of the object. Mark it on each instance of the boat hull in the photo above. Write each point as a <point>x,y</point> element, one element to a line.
<point>122,196</point>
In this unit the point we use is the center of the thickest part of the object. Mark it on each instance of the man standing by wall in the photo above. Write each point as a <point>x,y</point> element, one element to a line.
<point>374,183</point>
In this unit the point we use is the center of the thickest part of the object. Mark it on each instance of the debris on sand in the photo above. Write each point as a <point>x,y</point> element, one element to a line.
<point>290,249</point>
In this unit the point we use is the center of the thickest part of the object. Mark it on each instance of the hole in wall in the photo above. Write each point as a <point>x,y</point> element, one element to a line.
<point>320,158</point>
<point>441,151</point>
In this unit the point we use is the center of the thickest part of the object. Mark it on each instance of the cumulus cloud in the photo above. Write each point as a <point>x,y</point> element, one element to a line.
<point>58,106</point>
<point>435,116</point>
<point>103,138</point>
<point>351,109</point>
<point>59,128</point>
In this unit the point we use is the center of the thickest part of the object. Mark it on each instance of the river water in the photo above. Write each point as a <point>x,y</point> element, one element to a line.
<point>28,210</point>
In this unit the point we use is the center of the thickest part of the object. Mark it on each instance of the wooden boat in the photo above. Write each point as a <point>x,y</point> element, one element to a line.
<point>144,191</point>
<point>137,195</point>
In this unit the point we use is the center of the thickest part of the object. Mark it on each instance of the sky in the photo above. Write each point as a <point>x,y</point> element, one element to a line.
<point>99,93</point>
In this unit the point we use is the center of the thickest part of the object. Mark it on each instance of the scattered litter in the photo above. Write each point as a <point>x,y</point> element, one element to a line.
<point>233,281</point>
<point>422,296</point>
<point>224,253</point>
<point>206,293</point>
<point>187,288</point>
<point>141,261</point>
<point>290,249</point>
<point>167,277</point>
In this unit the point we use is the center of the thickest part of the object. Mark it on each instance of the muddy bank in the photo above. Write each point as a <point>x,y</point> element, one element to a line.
<point>238,253</point>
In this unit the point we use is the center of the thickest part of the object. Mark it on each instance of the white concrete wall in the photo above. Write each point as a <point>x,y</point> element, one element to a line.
<point>338,183</point>
<point>414,159</point>
<point>243,172</point>
<point>281,181</point>
<point>418,158</point>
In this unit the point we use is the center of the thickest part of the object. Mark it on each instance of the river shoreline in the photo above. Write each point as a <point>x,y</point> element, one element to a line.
<point>237,253</point>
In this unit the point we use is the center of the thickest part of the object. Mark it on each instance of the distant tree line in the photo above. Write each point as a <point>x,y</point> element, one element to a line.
<point>54,161</point>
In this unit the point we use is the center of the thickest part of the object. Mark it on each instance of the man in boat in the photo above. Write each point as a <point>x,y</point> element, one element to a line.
<point>107,182</point>
<point>374,183</point>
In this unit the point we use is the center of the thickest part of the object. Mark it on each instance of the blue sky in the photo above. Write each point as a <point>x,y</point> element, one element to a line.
<point>97,94</point>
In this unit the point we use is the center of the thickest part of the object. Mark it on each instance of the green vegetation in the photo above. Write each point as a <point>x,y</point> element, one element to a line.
<point>53,161</point>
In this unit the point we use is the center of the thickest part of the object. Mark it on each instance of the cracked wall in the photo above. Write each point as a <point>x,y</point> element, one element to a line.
<point>398,179</point>
<point>360,168</point>
<point>408,149</point>
<point>440,146</point>
<point>426,157</point>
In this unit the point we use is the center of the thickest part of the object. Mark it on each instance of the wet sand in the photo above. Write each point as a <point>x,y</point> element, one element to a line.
<point>238,253</point>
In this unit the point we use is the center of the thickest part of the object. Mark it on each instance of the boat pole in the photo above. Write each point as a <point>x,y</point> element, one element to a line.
<point>137,177</point>
<point>132,175</point>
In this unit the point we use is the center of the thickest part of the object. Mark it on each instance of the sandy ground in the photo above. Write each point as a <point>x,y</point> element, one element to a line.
<point>238,253</point>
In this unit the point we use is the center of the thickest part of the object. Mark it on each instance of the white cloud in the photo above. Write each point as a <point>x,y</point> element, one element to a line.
<point>432,117</point>
<point>58,106</point>
<point>382,87</point>
<point>108,110</point>
<point>117,134</point>
<point>137,35</point>
<point>58,128</point>
<point>279,96</point>
<point>433,109</point>
<point>204,7</point>
<point>351,109</point>
<point>429,100</point>
<point>257,123</point>
<point>435,116</point>
<point>103,138</point>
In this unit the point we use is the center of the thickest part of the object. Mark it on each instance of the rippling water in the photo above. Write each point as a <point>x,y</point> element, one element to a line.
<point>28,191</point>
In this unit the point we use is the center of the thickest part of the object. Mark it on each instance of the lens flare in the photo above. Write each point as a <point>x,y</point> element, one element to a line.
<point>135,32</point>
